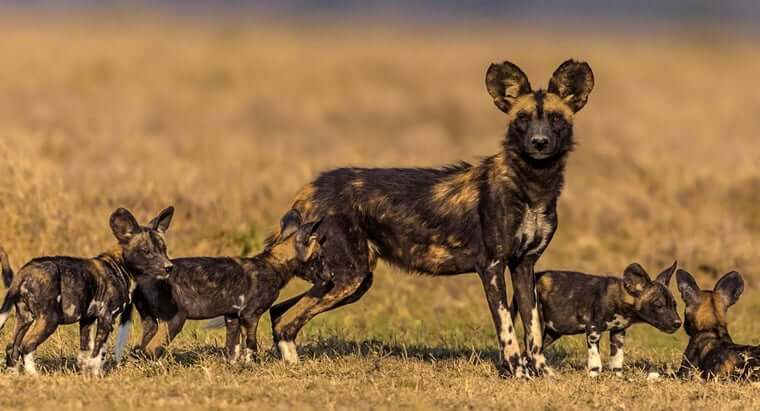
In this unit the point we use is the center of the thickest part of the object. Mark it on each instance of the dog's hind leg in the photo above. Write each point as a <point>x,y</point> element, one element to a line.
<point>250,323</point>
<point>319,299</point>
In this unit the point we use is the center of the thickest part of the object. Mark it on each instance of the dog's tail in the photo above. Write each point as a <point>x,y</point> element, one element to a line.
<point>124,330</point>
<point>6,266</point>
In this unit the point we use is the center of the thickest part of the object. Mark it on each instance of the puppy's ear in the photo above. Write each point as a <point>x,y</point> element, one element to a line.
<point>505,82</point>
<point>665,276</point>
<point>572,82</point>
<point>289,223</point>
<point>635,279</point>
<point>730,288</point>
<point>123,225</point>
<point>162,220</point>
<point>688,287</point>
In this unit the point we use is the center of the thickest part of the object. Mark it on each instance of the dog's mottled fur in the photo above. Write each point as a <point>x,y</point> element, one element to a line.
<point>577,303</point>
<point>239,289</point>
<point>462,218</point>
<point>50,291</point>
<point>711,352</point>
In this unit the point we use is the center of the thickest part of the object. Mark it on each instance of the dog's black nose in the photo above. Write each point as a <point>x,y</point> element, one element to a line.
<point>677,323</point>
<point>539,142</point>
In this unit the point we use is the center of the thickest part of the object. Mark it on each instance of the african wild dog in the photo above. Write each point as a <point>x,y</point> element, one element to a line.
<point>711,351</point>
<point>458,219</point>
<point>576,303</point>
<point>50,291</point>
<point>240,289</point>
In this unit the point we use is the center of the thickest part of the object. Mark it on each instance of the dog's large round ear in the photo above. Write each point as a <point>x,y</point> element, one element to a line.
<point>505,82</point>
<point>124,225</point>
<point>308,239</point>
<point>665,276</point>
<point>162,220</point>
<point>572,82</point>
<point>730,288</point>
<point>289,223</point>
<point>688,287</point>
<point>635,279</point>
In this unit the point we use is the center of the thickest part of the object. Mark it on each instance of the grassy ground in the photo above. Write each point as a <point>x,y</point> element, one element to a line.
<point>227,121</point>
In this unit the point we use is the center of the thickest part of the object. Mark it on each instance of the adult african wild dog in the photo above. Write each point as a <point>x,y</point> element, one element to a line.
<point>462,218</point>
<point>50,291</point>
<point>711,351</point>
<point>240,289</point>
<point>575,303</point>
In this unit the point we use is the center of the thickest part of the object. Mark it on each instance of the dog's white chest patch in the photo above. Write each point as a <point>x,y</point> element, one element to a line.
<point>534,230</point>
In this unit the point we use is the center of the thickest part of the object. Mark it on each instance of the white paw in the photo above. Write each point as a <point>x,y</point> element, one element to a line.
<point>288,351</point>
<point>593,374</point>
<point>30,367</point>
<point>653,376</point>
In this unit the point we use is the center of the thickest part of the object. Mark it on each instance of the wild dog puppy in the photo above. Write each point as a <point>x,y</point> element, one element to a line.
<point>239,289</point>
<point>462,218</point>
<point>711,352</point>
<point>50,291</point>
<point>576,303</point>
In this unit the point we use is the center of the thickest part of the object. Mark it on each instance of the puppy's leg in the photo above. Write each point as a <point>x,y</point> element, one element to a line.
<point>24,321</point>
<point>97,356</point>
<point>617,339</point>
<point>250,324</point>
<point>85,343</point>
<point>594,359</point>
<point>233,338</point>
<point>149,330</point>
<point>43,327</point>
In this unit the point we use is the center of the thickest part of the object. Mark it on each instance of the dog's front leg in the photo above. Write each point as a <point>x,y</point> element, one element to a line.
<point>524,284</point>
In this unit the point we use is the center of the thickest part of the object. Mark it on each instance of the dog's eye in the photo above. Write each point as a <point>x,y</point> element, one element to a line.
<point>523,119</point>
<point>658,305</point>
<point>556,119</point>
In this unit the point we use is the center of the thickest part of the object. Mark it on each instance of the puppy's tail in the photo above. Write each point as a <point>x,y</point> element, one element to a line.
<point>6,266</point>
<point>124,330</point>
<point>217,322</point>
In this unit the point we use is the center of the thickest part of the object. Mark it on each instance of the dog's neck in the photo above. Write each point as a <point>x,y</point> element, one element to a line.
<point>114,260</point>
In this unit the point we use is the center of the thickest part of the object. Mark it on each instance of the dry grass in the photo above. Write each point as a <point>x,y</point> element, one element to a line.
<point>227,122</point>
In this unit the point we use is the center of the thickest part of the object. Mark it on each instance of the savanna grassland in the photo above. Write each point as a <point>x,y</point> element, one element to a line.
<point>226,121</point>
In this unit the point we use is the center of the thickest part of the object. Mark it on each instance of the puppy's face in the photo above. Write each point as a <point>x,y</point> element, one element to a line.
<point>706,310</point>
<point>653,300</point>
<point>143,247</point>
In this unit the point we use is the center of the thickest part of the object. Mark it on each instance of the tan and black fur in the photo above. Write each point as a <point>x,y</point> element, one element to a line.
<point>577,303</point>
<point>711,352</point>
<point>498,213</point>
<point>51,291</point>
<point>241,289</point>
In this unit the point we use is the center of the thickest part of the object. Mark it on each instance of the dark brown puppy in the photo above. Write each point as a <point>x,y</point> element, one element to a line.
<point>50,291</point>
<point>577,303</point>
<point>711,351</point>
<point>239,289</point>
<point>459,219</point>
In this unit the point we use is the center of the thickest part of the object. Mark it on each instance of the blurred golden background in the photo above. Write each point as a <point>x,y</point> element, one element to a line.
<point>226,114</point>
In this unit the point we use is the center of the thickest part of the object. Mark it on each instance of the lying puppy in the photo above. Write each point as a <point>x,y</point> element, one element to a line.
<point>711,352</point>
<point>575,303</point>
<point>50,291</point>
<point>239,289</point>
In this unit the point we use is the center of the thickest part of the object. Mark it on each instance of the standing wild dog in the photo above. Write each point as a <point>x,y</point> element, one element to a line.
<point>574,303</point>
<point>711,351</point>
<point>240,289</point>
<point>50,291</point>
<point>458,219</point>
